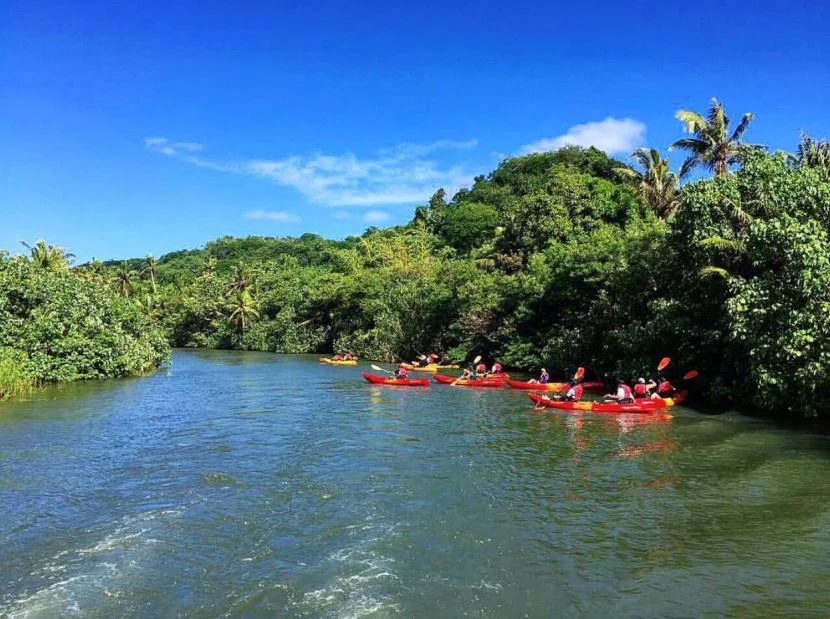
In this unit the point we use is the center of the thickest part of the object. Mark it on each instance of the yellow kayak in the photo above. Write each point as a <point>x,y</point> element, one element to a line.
<point>432,367</point>
<point>338,362</point>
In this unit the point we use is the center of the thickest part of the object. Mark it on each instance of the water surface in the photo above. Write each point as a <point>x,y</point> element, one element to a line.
<point>247,484</point>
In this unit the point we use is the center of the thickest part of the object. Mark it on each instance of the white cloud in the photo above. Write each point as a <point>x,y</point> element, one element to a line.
<point>374,217</point>
<point>613,135</point>
<point>403,174</point>
<point>283,216</point>
<point>171,149</point>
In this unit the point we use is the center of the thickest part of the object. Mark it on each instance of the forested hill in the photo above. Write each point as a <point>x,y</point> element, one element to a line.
<point>553,260</point>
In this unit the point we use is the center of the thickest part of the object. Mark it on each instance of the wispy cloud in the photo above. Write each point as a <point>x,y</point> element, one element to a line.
<point>374,217</point>
<point>283,216</point>
<point>613,135</point>
<point>403,174</point>
<point>171,149</point>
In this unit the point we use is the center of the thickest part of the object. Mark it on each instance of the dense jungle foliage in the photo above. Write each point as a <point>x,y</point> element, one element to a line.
<point>554,259</point>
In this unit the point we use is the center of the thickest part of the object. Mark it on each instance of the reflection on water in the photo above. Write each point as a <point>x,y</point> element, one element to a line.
<point>247,484</point>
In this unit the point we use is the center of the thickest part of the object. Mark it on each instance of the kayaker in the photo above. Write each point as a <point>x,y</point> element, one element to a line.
<point>664,388</point>
<point>401,372</point>
<point>544,377</point>
<point>643,389</point>
<point>574,392</point>
<point>432,358</point>
<point>347,357</point>
<point>337,357</point>
<point>481,368</point>
<point>624,394</point>
<point>496,369</point>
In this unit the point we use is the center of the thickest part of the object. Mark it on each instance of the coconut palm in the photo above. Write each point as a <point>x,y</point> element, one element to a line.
<point>713,146</point>
<point>242,311</point>
<point>123,280</point>
<point>48,256</point>
<point>150,268</point>
<point>814,153</point>
<point>149,306</point>
<point>240,280</point>
<point>657,184</point>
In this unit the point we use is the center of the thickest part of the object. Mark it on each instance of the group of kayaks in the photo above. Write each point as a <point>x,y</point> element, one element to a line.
<point>640,406</point>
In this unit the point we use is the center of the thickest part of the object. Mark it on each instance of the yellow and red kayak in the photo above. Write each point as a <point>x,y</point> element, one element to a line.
<point>490,381</point>
<point>641,406</point>
<point>338,361</point>
<point>432,367</point>
<point>587,385</point>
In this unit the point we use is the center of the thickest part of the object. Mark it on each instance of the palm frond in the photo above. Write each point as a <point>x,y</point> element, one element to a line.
<point>739,130</point>
<point>713,271</point>
<point>692,121</point>
<point>718,242</point>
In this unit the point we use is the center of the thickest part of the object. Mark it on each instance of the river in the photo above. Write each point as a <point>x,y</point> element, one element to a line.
<point>246,484</point>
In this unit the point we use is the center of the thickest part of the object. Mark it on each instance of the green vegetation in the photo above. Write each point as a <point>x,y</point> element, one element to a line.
<point>62,324</point>
<point>554,259</point>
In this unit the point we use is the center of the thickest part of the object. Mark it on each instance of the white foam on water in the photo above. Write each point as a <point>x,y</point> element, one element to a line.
<point>360,587</point>
<point>102,566</point>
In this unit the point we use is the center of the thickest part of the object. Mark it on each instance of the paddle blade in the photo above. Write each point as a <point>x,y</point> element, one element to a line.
<point>580,372</point>
<point>380,369</point>
<point>476,360</point>
<point>691,374</point>
<point>664,363</point>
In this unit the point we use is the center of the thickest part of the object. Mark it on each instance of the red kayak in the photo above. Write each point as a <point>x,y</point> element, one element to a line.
<point>587,385</point>
<point>397,382</point>
<point>643,406</point>
<point>492,381</point>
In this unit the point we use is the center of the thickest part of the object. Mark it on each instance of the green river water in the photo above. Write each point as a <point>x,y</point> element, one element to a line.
<point>245,484</point>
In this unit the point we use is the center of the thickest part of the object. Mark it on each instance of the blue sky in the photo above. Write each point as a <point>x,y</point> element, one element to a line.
<point>145,127</point>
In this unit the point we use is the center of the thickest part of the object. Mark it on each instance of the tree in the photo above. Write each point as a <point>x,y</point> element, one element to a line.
<point>47,256</point>
<point>123,280</point>
<point>150,269</point>
<point>242,311</point>
<point>814,153</point>
<point>657,184</point>
<point>712,145</point>
<point>240,280</point>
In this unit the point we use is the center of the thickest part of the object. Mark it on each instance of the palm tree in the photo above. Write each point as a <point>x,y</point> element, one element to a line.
<point>712,145</point>
<point>210,265</point>
<point>657,184</point>
<point>150,269</point>
<point>149,306</point>
<point>48,256</point>
<point>242,311</point>
<point>240,280</point>
<point>814,153</point>
<point>123,280</point>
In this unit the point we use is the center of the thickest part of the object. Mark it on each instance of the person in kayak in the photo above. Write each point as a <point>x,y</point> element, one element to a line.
<point>643,389</point>
<point>496,369</point>
<point>624,394</point>
<point>544,377</point>
<point>400,372</point>
<point>347,356</point>
<point>337,357</point>
<point>573,394</point>
<point>664,388</point>
<point>481,369</point>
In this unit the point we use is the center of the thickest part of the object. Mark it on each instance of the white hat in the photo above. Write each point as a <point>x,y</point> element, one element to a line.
<point>641,380</point>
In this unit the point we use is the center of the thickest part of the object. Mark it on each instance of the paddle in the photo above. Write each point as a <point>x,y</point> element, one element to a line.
<point>664,363</point>
<point>691,374</point>
<point>580,372</point>
<point>380,369</point>
<point>475,361</point>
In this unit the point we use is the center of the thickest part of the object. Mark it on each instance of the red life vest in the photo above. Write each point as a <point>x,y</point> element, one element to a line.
<point>665,388</point>
<point>402,371</point>
<point>578,391</point>
<point>496,368</point>
<point>481,368</point>
<point>640,390</point>
<point>626,391</point>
